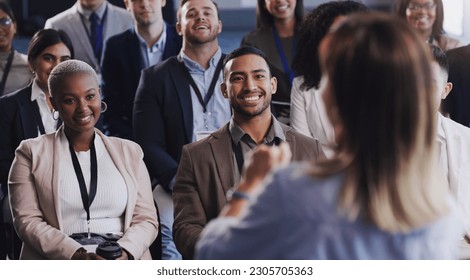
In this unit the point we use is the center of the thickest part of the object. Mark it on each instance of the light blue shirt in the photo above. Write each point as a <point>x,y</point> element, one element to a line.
<point>218,110</point>
<point>154,54</point>
<point>296,217</point>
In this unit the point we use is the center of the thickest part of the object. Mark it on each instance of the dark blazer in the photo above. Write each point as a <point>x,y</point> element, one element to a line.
<point>206,172</point>
<point>121,66</point>
<point>457,104</point>
<point>163,118</point>
<point>19,120</point>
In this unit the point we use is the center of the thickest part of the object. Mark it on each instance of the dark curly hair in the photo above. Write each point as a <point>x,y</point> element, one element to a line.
<point>313,29</point>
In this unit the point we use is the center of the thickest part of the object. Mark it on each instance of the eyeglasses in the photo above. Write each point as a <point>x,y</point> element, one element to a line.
<point>415,6</point>
<point>5,22</point>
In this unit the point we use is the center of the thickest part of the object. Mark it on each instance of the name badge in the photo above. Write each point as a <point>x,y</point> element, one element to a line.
<point>202,134</point>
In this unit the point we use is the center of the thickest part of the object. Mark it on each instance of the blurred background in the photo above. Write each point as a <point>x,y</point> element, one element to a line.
<point>238,17</point>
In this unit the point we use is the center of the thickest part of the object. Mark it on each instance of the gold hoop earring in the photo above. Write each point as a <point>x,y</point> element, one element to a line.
<point>55,114</point>
<point>104,106</point>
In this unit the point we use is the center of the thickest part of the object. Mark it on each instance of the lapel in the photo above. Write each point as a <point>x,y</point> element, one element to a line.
<point>134,55</point>
<point>173,42</point>
<point>290,139</point>
<point>117,155</point>
<point>184,95</point>
<point>80,34</point>
<point>29,112</point>
<point>221,147</point>
<point>454,154</point>
<point>58,156</point>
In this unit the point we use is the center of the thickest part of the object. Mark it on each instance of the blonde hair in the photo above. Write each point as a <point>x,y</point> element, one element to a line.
<point>379,73</point>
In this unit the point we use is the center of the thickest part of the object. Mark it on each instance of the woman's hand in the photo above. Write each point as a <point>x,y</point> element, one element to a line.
<point>82,254</point>
<point>124,255</point>
<point>261,162</point>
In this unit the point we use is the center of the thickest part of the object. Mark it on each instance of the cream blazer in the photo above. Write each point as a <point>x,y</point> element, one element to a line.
<point>34,189</point>
<point>458,157</point>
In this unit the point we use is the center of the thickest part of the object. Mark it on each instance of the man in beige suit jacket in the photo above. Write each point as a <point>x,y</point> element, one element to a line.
<point>210,167</point>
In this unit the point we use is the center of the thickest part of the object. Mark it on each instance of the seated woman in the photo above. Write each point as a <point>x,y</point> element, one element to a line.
<point>77,180</point>
<point>14,71</point>
<point>427,18</point>
<point>27,112</point>
<point>382,196</point>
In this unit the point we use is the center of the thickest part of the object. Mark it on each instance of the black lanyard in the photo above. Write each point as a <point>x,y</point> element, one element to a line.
<point>210,92</point>
<point>6,71</point>
<point>287,69</point>
<point>86,199</point>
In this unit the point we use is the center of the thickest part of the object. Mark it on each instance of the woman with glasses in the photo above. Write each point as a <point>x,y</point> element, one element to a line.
<point>14,69</point>
<point>427,17</point>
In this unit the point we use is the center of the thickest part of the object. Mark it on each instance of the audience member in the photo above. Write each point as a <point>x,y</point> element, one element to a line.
<point>457,105</point>
<point>427,17</point>
<point>209,167</point>
<point>14,68</point>
<point>383,195</point>
<point>27,113</point>
<point>89,23</point>
<point>278,23</point>
<point>44,192</point>
<point>453,141</point>
<point>126,54</point>
<point>308,112</point>
<point>177,102</point>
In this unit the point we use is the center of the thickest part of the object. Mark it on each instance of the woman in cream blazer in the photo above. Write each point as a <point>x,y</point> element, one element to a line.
<point>37,181</point>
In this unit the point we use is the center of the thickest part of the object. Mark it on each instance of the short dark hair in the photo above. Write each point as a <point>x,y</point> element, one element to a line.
<point>7,9</point>
<point>440,57</point>
<point>45,38</point>
<point>182,2</point>
<point>244,51</point>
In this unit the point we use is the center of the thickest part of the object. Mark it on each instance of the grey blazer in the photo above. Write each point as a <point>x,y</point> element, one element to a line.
<point>117,20</point>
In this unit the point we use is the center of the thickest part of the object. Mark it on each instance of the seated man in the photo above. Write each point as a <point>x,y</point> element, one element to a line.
<point>454,143</point>
<point>210,167</point>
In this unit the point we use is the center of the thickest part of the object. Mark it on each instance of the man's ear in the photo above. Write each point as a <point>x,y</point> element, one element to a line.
<point>223,89</point>
<point>446,90</point>
<point>273,85</point>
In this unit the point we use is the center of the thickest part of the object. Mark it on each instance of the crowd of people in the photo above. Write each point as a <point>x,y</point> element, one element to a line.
<point>322,136</point>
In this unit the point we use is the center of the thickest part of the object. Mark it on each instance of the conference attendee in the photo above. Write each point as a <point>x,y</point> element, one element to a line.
<point>148,43</point>
<point>177,102</point>
<point>14,69</point>
<point>89,23</point>
<point>427,18</point>
<point>453,142</point>
<point>308,112</point>
<point>27,113</point>
<point>208,168</point>
<point>276,35</point>
<point>457,104</point>
<point>383,196</point>
<point>76,182</point>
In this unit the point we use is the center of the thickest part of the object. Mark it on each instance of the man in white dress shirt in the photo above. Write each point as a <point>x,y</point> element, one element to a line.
<point>454,143</point>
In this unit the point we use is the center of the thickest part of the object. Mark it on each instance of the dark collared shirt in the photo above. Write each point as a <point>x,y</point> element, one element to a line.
<point>243,143</point>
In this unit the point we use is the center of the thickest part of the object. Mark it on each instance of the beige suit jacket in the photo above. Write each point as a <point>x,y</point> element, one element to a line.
<point>206,172</point>
<point>34,189</point>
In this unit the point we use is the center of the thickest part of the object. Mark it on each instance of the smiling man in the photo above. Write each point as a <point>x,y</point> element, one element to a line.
<point>209,168</point>
<point>177,102</point>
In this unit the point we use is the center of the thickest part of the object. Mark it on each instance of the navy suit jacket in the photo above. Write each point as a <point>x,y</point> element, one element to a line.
<point>121,68</point>
<point>457,104</point>
<point>163,118</point>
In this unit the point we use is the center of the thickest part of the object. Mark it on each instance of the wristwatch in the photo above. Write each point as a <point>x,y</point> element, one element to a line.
<point>234,194</point>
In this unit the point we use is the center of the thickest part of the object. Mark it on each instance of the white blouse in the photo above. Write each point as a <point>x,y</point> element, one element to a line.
<point>108,207</point>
